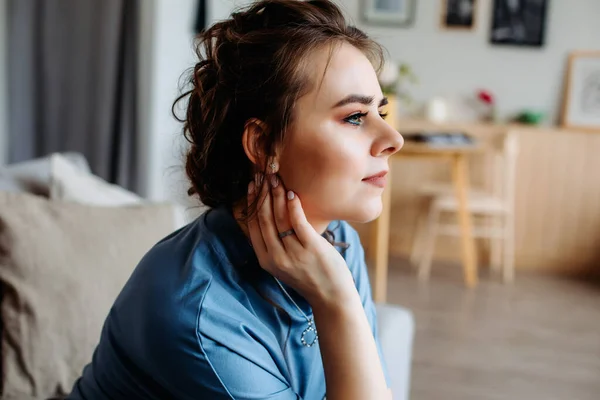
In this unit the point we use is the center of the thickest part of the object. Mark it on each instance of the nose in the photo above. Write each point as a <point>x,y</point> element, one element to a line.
<point>388,140</point>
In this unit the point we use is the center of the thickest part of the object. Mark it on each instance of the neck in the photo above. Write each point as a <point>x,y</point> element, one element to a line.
<point>318,225</point>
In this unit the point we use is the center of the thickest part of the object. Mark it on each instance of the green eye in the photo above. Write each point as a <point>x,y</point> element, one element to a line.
<point>355,119</point>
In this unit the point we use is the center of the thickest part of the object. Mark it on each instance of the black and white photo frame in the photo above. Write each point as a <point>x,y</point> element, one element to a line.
<point>459,14</point>
<point>519,22</point>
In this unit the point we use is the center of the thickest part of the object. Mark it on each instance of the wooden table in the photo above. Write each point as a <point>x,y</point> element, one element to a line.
<point>458,155</point>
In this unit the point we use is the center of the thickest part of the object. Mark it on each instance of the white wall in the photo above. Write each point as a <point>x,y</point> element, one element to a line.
<point>3,83</point>
<point>452,63</point>
<point>166,52</point>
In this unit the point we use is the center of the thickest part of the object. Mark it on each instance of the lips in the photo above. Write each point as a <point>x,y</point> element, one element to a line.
<point>378,179</point>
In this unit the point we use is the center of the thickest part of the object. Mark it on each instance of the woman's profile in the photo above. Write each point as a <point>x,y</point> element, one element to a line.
<point>266,295</point>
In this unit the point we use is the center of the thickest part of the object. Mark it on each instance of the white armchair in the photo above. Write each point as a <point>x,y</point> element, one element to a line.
<point>396,329</point>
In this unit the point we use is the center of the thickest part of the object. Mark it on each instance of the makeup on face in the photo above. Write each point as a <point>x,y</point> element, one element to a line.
<point>379,179</point>
<point>334,157</point>
<point>357,118</point>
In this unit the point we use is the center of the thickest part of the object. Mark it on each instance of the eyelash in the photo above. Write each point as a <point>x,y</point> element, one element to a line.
<point>360,115</point>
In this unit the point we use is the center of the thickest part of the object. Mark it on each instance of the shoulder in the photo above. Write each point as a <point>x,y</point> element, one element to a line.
<point>169,282</point>
<point>165,293</point>
<point>184,319</point>
<point>212,342</point>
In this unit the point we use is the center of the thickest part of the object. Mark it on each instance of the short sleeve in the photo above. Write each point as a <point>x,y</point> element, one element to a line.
<point>241,358</point>
<point>355,258</point>
<point>207,348</point>
<point>243,377</point>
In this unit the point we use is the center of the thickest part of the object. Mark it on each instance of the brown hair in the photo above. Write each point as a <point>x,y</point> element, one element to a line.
<point>251,66</point>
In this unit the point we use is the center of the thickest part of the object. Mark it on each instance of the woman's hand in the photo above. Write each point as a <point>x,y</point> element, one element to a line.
<point>314,268</point>
<point>304,260</point>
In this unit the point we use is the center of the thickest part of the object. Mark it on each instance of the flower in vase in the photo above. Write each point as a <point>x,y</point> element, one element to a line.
<point>486,97</point>
<point>489,102</point>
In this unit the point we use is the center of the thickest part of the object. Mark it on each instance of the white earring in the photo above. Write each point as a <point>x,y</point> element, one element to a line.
<point>273,167</point>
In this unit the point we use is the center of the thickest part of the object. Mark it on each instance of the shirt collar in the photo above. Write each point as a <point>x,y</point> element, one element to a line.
<point>222,223</point>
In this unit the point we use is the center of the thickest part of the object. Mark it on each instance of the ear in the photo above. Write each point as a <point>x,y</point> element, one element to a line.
<point>254,132</point>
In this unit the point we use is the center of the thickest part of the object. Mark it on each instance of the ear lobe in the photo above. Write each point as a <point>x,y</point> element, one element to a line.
<point>251,140</point>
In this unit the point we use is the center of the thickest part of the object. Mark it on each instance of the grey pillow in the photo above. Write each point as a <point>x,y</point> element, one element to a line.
<point>61,267</point>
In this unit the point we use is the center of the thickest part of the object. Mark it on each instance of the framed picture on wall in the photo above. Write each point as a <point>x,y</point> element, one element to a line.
<point>581,108</point>
<point>519,22</point>
<point>459,14</point>
<point>389,12</point>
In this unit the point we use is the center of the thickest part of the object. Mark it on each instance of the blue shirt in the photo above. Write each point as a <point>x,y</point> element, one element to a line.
<point>197,320</point>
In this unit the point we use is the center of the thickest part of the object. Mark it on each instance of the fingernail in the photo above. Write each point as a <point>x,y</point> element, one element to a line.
<point>259,178</point>
<point>274,181</point>
<point>251,187</point>
<point>290,195</point>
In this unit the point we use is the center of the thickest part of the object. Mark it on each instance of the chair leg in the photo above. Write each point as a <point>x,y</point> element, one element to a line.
<point>416,250</point>
<point>428,244</point>
<point>508,267</point>
<point>496,244</point>
<point>419,235</point>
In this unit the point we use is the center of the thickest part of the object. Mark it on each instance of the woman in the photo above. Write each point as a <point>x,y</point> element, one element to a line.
<point>285,123</point>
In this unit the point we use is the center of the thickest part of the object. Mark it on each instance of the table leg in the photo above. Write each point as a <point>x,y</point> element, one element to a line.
<point>460,175</point>
<point>380,239</point>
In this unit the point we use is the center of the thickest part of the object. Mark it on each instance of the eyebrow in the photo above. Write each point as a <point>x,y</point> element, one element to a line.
<point>362,99</point>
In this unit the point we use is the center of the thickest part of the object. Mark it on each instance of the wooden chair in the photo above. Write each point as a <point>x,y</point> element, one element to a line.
<point>497,205</point>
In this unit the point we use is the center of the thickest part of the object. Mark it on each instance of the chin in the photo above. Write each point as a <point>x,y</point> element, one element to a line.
<point>360,210</point>
<point>367,211</point>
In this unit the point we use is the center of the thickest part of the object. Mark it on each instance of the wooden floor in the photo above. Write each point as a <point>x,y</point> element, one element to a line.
<point>536,339</point>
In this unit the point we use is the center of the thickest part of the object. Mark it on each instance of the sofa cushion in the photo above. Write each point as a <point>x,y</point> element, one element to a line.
<point>62,265</point>
<point>69,182</point>
<point>33,176</point>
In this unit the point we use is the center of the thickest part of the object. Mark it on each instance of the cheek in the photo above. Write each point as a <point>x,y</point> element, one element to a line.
<point>326,165</point>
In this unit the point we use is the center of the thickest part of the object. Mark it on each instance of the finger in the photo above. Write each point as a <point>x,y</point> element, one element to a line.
<point>267,222</point>
<point>304,231</point>
<point>256,236</point>
<point>280,212</point>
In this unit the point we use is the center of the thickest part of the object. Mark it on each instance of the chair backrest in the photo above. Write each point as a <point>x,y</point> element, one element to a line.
<point>505,168</point>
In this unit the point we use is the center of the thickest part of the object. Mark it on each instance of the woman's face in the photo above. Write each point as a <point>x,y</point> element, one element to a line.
<point>339,144</point>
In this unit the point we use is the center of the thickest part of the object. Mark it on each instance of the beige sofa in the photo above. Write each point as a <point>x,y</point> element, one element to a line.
<point>68,243</point>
